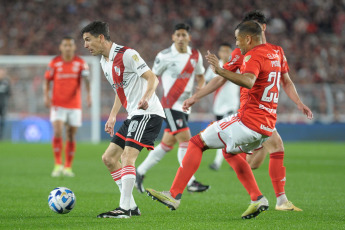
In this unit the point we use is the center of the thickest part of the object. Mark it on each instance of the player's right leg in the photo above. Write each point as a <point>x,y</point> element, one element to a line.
<point>156,155</point>
<point>111,159</point>
<point>58,116</point>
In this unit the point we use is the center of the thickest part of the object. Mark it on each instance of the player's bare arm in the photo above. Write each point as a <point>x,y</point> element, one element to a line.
<point>200,81</point>
<point>87,85</point>
<point>109,126</point>
<point>211,86</point>
<point>246,80</point>
<point>46,88</point>
<point>152,83</point>
<point>290,90</point>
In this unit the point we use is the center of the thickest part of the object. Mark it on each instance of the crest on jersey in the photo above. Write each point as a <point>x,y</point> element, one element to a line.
<point>179,122</point>
<point>135,58</point>
<point>193,62</point>
<point>247,58</point>
<point>117,70</point>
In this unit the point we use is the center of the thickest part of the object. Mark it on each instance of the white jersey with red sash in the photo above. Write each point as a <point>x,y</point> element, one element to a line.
<point>177,71</point>
<point>123,71</point>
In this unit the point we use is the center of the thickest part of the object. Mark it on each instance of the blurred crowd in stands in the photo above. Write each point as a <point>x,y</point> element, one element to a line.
<point>312,32</point>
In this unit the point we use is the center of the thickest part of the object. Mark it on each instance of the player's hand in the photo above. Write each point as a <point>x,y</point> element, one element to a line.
<point>47,102</point>
<point>89,101</point>
<point>188,103</point>
<point>109,126</point>
<point>143,104</point>
<point>213,61</point>
<point>305,110</point>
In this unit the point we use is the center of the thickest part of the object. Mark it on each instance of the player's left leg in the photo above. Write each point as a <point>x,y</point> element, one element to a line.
<point>70,148</point>
<point>275,147</point>
<point>74,121</point>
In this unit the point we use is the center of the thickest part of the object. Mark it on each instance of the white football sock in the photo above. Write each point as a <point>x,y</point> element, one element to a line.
<point>181,152</point>
<point>218,160</point>
<point>281,199</point>
<point>126,191</point>
<point>153,158</point>
<point>132,204</point>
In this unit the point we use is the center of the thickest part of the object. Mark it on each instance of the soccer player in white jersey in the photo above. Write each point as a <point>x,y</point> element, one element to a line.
<point>134,84</point>
<point>226,98</point>
<point>179,66</point>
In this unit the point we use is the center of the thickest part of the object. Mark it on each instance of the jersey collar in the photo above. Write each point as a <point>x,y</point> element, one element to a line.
<point>112,54</point>
<point>175,52</point>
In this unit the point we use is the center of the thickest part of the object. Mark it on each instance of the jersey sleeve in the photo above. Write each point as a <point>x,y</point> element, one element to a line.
<point>49,74</point>
<point>199,68</point>
<point>209,74</point>
<point>159,65</point>
<point>85,70</point>
<point>285,66</point>
<point>134,62</point>
<point>251,64</point>
<point>235,61</point>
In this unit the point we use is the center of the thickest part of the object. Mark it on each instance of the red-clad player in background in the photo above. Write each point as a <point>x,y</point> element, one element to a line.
<point>66,71</point>
<point>242,132</point>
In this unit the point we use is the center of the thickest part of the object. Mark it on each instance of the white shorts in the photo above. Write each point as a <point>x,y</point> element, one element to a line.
<point>70,116</point>
<point>230,133</point>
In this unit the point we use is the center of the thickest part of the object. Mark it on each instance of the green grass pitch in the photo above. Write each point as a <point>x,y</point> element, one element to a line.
<point>315,183</point>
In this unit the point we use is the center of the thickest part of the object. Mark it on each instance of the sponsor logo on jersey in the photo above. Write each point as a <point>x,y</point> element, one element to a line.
<point>263,127</point>
<point>135,58</point>
<point>276,51</point>
<point>179,122</point>
<point>261,106</point>
<point>247,58</point>
<point>142,66</point>
<point>275,63</point>
<point>272,56</point>
<point>122,84</point>
<point>117,70</point>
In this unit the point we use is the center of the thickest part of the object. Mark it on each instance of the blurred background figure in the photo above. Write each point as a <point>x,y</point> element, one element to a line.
<point>66,72</point>
<point>226,98</point>
<point>5,92</point>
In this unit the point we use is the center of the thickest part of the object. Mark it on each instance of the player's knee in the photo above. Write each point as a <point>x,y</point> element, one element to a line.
<point>254,165</point>
<point>107,159</point>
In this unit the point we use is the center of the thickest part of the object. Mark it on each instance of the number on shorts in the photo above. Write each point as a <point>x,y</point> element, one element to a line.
<point>268,96</point>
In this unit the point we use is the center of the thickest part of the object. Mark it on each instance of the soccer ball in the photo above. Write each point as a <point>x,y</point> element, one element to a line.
<point>61,200</point>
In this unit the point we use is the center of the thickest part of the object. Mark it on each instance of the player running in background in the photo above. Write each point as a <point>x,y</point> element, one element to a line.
<point>66,71</point>
<point>134,84</point>
<point>240,132</point>
<point>179,66</point>
<point>226,98</point>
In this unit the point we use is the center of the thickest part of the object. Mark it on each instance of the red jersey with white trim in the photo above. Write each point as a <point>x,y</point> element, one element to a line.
<point>67,81</point>
<point>258,110</point>
<point>123,71</point>
<point>177,71</point>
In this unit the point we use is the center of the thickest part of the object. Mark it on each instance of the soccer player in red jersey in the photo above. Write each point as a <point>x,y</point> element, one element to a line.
<point>66,71</point>
<point>274,145</point>
<point>241,132</point>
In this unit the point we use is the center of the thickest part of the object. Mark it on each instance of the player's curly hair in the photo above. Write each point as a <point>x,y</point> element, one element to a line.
<point>255,15</point>
<point>97,28</point>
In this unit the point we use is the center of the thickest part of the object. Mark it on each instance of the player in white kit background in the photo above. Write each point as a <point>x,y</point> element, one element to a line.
<point>179,67</point>
<point>226,98</point>
<point>134,84</point>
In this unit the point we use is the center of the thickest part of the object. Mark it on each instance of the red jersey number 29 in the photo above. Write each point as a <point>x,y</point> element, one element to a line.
<point>268,96</point>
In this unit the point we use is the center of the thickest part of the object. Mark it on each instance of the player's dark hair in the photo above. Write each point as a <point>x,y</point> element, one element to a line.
<point>97,28</point>
<point>67,37</point>
<point>249,28</point>
<point>255,15</point>
<point>181,26</point>
<point>225,44</point>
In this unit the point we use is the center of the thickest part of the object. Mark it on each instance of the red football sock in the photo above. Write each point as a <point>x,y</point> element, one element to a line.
<point>277,172</point>
<point>244,174</point>
<point>190,164</point>
<point>69,153</point>
<point>57,147</point>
